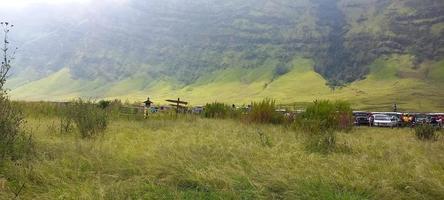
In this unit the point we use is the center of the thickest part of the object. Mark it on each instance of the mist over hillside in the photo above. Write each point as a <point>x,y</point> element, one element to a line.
<point>116,48</point>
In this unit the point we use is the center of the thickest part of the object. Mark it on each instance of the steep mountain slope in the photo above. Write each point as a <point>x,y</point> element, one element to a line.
<point>230,50</point>
<point>391,80</point>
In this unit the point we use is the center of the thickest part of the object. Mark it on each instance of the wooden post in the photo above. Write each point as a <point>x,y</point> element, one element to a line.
<point>177,103</point>
<point>177,108</point>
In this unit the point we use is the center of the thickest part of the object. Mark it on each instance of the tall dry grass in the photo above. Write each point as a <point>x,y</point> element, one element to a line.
<point>224,159</point>
<point>264,112</point>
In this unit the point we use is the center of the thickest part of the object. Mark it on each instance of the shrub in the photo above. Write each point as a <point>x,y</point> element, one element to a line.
<point>103,104</point>
<point>66,119</point>
<point>321,120</point>
<point>14,142</point>
<point>113,109</point>
<point>265,112</point>
<point>221,110</point>
<point>426,132</point>
<point>322,116</point>
<point>89,118</point>
<point>217,110</point>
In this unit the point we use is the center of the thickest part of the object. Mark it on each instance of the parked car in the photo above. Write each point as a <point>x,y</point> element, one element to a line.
<point>397,116</point>
<point>399,122</point>
<point>197,109</point>
<point>436,119</point>
<point>361,118</point>
<point>385,120</point>
<point>154,109</point>
<point>421,119</point>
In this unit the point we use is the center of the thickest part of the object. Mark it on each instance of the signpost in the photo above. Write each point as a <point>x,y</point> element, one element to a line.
<point>178,104</point>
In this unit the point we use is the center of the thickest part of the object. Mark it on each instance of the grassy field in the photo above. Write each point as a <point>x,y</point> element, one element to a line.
<point>195,158</point>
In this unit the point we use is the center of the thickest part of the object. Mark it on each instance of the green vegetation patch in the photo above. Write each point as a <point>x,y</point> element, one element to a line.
<point>437,29</point>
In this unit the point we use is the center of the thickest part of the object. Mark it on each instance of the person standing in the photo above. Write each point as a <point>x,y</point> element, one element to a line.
<point>370,120</point>
<point>147,105</point>
<point>440,121</point>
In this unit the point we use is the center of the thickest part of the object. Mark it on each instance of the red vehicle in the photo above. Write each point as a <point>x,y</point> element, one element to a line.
<point>436,119</point>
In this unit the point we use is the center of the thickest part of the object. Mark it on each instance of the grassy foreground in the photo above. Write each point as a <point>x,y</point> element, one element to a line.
<point>198,158</point>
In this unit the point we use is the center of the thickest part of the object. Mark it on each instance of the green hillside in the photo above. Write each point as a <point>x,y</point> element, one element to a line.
<point>391,80</point>
<point>371,52</point>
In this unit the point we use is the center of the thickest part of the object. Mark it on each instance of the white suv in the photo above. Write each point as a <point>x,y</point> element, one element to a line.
<point>384,121</point>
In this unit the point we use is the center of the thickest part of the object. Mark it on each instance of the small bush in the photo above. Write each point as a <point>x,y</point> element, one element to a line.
<point>426,132</point>
<point>14,142</point>
<point>113,109</point>
<point>221,110</point>
<point>103,104</point>
<point>321,120</point>
<point>89,118</point>
<point>66,119</point>
<point>322,116</point>
<point>265,112</point>
<point>217,110</point>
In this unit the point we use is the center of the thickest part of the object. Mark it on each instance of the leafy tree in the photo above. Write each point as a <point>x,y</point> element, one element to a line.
<point>7,57</point>
<point>13,139</point>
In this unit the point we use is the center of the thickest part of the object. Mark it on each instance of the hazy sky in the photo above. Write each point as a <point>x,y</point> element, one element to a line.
<point>28,2</point>
<point>24,3</point>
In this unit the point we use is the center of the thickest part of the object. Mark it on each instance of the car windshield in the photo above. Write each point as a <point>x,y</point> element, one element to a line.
<point>381,117</point>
